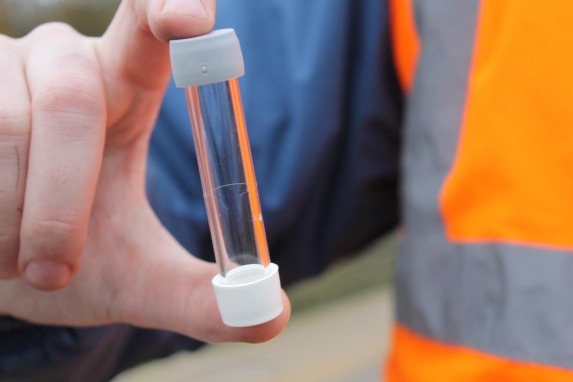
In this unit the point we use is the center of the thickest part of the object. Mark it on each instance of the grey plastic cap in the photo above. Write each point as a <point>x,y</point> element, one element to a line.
<point>214,57</point>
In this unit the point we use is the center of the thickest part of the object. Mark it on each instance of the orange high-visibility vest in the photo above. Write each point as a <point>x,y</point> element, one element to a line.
<point>485,272</point>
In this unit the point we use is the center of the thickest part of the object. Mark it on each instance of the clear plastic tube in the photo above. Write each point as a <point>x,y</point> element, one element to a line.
<point>247,287</point>
<point>227,175</point>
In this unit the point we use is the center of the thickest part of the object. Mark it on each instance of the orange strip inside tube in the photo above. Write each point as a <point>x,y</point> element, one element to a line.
<point>257,215</point>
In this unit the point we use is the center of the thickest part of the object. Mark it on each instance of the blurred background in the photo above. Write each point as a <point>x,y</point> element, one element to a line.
<point>340,326</point>
<point>18,17</point>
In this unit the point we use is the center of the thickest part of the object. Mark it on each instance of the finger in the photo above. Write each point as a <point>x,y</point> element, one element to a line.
<point>14,139</point>
<point>172,290</point>
<point>66,146</point>
<point>133,51</point>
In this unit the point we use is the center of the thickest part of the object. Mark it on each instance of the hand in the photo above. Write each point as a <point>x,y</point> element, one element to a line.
<point>79,243</point>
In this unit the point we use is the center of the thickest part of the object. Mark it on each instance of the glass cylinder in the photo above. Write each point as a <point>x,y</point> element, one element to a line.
<point>247,287</point>
<point>227,175</point>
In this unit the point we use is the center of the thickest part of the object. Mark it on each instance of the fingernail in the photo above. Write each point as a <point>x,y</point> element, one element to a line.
<point>47,275</point>
<point>193,8</point>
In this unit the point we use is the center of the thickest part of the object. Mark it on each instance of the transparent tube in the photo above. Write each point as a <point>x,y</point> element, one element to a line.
<point>227,175</point>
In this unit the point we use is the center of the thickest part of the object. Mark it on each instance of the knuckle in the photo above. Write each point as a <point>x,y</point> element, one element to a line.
<point>53,227</point>
<point>14,119</point>
<point>8,235</point>
<point>70,85</point>
<point>54,238</point>
<point>54,28</point>
<point>63,95</point>
<point>14,109</point>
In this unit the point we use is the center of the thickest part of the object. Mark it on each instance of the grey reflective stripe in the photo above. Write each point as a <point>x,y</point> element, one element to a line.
<point>508,300</point>
<point>435,107</point>
<point>511,301</point>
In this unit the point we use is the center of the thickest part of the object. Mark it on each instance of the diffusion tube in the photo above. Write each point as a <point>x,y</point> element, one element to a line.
<point>227,175</point>
<point>247,287</point>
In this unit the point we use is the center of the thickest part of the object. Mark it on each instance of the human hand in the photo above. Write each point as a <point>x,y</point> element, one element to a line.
<point>79,243</point>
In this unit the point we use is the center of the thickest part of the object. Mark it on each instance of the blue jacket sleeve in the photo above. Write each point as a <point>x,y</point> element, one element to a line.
<point>323,112</point>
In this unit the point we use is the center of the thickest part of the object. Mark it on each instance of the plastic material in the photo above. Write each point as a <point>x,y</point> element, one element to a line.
<point>248,287</point>
<point>208,59</point>
<point>249,295</point>
<point>227,175</point>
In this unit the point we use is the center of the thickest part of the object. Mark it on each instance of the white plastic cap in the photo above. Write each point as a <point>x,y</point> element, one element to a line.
<point>249,295</point>
<point>208,59</point>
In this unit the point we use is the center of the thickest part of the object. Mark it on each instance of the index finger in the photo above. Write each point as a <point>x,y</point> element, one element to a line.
<point>134,48</point>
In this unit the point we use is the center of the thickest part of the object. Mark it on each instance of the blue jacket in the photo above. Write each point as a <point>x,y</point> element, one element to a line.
<point>323,111</point>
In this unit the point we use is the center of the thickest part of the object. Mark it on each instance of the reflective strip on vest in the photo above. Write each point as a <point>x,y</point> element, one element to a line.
<point>485,273</point>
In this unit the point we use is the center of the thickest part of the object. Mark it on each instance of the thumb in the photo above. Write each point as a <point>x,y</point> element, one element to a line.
<point>133,50</point>
<point>170,289</point>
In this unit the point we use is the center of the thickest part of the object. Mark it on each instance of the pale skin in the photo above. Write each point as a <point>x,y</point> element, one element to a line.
<point>79,243</point>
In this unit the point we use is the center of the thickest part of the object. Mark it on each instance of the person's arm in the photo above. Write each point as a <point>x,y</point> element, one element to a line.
<point>323,114</point>
<point>79,243</point>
